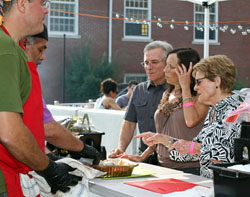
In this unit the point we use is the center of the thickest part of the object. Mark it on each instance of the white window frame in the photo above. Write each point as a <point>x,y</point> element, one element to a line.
<point>76,20</point>
<point>126,75</point>
<point>138,22</point>
<point>195,40</point>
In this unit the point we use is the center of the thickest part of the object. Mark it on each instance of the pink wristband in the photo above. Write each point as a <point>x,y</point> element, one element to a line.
<point>188,104</point>
<point>191,150</point>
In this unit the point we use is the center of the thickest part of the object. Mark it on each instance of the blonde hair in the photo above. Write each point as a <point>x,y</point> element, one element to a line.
<point>218,65</point>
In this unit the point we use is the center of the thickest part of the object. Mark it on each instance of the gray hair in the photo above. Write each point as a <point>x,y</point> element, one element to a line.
<point>166,47</point>
<point>31,40</point>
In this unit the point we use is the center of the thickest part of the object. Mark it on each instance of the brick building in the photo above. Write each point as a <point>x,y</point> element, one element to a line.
<point>147,20</point>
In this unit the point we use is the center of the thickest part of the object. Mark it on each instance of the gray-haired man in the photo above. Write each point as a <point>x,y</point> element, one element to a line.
<point>145,98</point>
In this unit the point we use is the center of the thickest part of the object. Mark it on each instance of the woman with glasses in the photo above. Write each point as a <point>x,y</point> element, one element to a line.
<point>215,77</point>
<point>109,90</point>
<point>180,114</point>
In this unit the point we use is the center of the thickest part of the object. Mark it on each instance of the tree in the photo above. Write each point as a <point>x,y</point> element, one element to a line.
<point>83,77</point>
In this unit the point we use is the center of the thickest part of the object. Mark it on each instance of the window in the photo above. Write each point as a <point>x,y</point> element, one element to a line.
<point>62,17</point>
<point>199,12</point>
<point>137,77</point>
<point>137,12</point>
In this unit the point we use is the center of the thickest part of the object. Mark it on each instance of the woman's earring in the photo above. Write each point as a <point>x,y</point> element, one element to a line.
<point>216,86</point>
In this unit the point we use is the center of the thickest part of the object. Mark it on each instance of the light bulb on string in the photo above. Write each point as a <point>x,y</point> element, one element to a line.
<point>145,22</point>
<point>137,22</point>
<point>126,19</point>
<point>159,25</point>
<point>131,19</point>
<point>222,29</point>
<point>159,19</point>
<point>248,30</point>
<point>244,33</point>
<point>240,27</point>
<point>186,27</point>
<point>212,27</point>
<point>233,31</point>
<point>117,15</point>
<point>172,24</point>
<point>225,27</point>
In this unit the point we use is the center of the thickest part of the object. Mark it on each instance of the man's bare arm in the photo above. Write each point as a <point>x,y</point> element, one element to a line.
<point>126,134</point>
<point>19,141</point>
<point>61,137</point>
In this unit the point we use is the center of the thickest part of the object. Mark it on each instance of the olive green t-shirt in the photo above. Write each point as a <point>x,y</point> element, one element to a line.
<point>15,79</point>
<point>2,183</point>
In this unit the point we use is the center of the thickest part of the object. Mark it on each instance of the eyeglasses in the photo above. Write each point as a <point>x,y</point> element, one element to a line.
<point>153,62</point>
<point>46,3</point>
<point>198,81</point>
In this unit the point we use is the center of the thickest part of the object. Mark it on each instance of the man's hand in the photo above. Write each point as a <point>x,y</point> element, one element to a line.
<point>58,177</point>
<point>91,152</point>
<point>115,153</point>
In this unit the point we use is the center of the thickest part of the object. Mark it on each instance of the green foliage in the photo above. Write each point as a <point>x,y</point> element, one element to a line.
<point>239,84</point>
<point>83,77</point>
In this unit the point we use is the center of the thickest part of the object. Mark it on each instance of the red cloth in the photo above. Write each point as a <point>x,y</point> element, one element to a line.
<point>33,119</point>
<point>163,186</point>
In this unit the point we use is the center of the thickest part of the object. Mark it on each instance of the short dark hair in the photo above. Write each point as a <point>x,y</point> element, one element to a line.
<point>132,82</point>
<point>43,34</point>
<point>108,85</point>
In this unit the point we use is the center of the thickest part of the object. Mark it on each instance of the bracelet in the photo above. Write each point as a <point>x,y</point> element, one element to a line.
<point>188,104</point>
<point>170,142</point>
<point>187,98</point>
<point>191,150</point>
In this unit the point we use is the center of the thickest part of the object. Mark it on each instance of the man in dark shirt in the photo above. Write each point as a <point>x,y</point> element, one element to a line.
<point>145,98</point>
<point>123,100</point>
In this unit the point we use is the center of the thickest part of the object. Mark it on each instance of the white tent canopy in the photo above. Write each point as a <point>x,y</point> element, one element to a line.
<point>206,4</point>
<point>209,2</point>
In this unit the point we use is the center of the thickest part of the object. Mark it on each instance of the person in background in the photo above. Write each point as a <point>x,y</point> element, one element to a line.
<point>180,114</point>
<point>215,77</point>
<point>109,91</point>
<point>55,133</point>
<point>21,127</point>
<point>145,98</point>
<point>123,100</point>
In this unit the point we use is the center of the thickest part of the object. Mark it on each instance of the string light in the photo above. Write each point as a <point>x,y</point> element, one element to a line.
<point>186,26</point>
<point>172,24</point>
<point>159,25</point>
<point>234,26</point>
<point>240,27</point>
<point>233,31</point>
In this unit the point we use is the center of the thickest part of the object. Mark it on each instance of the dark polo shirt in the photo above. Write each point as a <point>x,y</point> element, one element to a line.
<point>142,106</point>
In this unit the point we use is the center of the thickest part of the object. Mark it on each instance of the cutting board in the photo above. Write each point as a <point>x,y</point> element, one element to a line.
<point>137,172</point>
<point>163,186</point>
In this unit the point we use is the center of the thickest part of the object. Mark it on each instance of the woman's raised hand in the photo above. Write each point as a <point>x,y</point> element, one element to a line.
<point>184,76</point>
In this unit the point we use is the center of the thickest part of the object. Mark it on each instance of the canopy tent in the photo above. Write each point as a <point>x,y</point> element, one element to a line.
<point>206,4</point>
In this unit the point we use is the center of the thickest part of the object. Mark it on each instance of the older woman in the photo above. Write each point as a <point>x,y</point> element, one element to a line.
<point>215,77</point>
<point>180,114</point>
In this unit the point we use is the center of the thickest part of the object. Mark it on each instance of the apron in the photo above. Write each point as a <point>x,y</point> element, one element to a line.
<point>33,119</point>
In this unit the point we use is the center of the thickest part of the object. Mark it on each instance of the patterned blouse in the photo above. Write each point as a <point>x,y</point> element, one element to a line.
<point>217,136</point>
